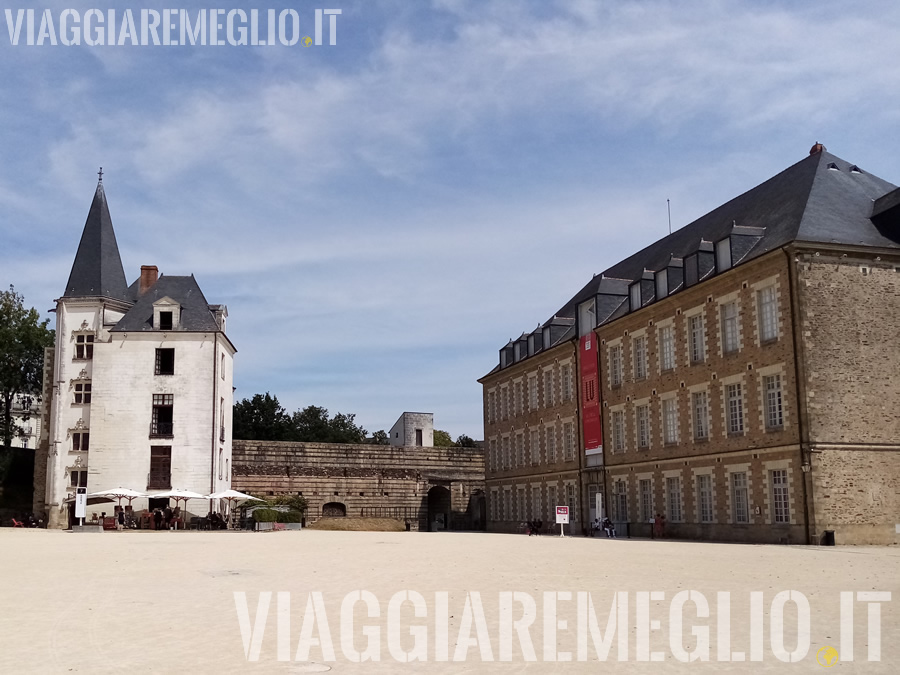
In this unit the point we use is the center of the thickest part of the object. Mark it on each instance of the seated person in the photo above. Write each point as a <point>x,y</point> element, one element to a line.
<point>609,528</point>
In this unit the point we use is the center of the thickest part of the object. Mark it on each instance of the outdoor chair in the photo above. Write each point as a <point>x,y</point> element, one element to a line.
<point>16,523</point>
<point>195,523</point>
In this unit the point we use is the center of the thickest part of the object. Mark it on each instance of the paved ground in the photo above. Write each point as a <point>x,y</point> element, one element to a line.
<point>161,602</point>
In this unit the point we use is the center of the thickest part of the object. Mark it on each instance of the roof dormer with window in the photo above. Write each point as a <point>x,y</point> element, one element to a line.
<point>166,314</point>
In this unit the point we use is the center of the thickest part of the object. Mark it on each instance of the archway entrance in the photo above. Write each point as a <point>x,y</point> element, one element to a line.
<point>334,510</point>
<point>438,509</point>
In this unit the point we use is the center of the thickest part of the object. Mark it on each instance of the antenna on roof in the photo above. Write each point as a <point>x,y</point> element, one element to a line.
<point>669,209</point>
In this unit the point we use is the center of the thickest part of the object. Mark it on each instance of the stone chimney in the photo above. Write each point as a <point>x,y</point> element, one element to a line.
<point>816,149</point>
<point>149,275</point>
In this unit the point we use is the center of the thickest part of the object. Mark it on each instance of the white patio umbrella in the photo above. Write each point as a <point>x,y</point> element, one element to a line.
<point>232,496</point>
<point>120,494</point>
<point>178,495</point>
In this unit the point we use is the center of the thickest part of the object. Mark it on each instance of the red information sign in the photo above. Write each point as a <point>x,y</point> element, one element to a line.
<point>591,426</point>
<point>562,515</point>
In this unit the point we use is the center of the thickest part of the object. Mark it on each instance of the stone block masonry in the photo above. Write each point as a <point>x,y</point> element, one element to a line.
<point>410,483</point>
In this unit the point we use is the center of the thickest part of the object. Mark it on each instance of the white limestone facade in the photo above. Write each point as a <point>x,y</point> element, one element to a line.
<point>142,389</point>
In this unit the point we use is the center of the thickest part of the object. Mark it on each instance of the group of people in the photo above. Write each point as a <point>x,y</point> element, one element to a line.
<point>533,527</point>
<point>168,515</point>
<point>217,521</point>
<point>606,525</point>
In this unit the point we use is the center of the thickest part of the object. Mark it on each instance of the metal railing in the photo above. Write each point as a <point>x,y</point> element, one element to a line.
<point>161,429</point>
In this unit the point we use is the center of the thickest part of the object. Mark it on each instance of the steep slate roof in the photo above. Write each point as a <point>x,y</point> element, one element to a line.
<point>97,270</point>
<point>820,199</point>
<point>809,201</point>
<point>195,314</point>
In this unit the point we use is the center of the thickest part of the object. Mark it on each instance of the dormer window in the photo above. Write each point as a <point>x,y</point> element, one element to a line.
<point>634,295</point>
<point>587,317</point>
<point>723,254</point>
<point>166,314</point>
<point>662,284</point>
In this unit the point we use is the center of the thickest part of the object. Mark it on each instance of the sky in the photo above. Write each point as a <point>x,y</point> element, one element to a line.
<point>383,214</point>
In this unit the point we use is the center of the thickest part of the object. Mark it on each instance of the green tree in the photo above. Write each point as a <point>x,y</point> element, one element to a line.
<point>23,338</point>
<point>312,425</point>
<point>465,442</point>
<point>261,418</point>
<point>442,439</point>
<point>380,437</point>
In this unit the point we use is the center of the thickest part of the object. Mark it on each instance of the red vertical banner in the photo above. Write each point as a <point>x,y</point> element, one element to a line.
<point>591,427</point>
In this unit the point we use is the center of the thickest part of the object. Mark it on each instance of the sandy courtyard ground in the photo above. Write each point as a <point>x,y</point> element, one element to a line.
<point>161,602</point>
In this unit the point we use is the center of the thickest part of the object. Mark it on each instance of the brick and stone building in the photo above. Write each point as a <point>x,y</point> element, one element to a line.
<point>430,488</point>
<point>138,389</point>
<point>530,428</point>
<point>746,368</point>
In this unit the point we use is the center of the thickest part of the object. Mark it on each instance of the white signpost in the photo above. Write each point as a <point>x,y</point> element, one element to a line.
<point>80,503</point>
<point>562,518</point>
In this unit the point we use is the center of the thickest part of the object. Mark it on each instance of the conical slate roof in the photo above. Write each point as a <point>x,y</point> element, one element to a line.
<point>97,270</point>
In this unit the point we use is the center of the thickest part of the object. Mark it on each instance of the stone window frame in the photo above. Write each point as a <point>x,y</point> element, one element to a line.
<point>536,509</point>
<point>620,499</point>
<point>696,474</point>
<point>689,314</point>
<point>755,288</point>
<point>533,398</point>
<point>534,445</point>
<point>651,512</point>
<point>572,499</point>
<point>566,380</point>
<point>492,454</point>
<point>521,459</point>
<point>769,497</point>
<point>495,503</point>
<point>639,357</point>
<point>87,344</point>
<point>491,402</point>
<point>637,405</point>
<point>664,421</point>
<point>673,474</point>
<point>616,365</point>
<point>618,412</point>
<point>724,384</point>
<point>570,450</point>
<point>666,324</point>
<point>761,375</point>
<point>730,470</point>
<point>505,453</point>
<point>549,385</point>
<point>723,301</point>
<point>699,389</point>
<point>551,450</point>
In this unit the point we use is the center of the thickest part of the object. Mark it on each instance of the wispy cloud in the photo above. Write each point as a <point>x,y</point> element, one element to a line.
<point>382,215</point>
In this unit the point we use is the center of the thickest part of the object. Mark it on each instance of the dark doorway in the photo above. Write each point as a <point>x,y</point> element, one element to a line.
<point>158,503</point>
<point>438,509</point>
<point>418,438</point>
<point>477,511</point>
<point>334,510</point>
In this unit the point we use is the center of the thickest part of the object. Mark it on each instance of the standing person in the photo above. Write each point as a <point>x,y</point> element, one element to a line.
<point>662,526</point>
<point>657,526</point>
<point>168,517</point>
<point>121,519</point>
<point>157,519</point>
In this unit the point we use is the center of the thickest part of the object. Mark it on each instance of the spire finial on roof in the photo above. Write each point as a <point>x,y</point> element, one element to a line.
<point>100,174</point>
<point>816,149</point>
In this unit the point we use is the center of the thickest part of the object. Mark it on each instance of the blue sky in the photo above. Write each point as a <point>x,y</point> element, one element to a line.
<point>382,215</point>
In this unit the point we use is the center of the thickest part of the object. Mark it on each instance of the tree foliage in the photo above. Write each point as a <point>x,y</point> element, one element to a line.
<point>263,418</point>
<point>442,439</point>
<point>23,337</point>
<point>380,437</point>
<point>464,441</point>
